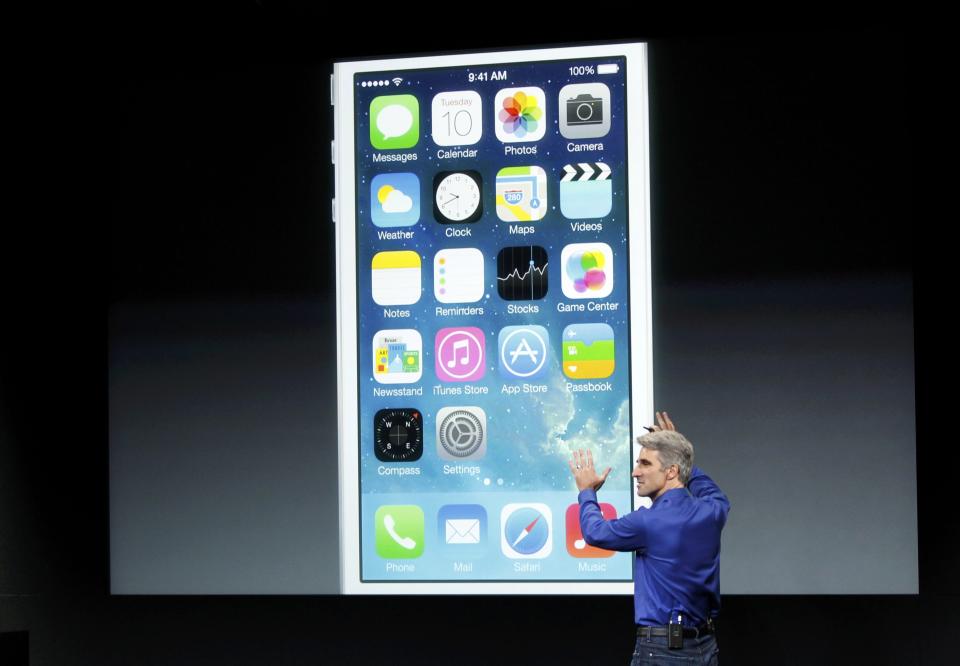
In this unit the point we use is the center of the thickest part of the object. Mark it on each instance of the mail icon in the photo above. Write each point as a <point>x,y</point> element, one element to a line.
<point>462,528</point>
<point>463,531</point>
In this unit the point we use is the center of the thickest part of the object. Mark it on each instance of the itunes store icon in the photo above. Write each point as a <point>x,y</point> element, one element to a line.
<point>459,353</point>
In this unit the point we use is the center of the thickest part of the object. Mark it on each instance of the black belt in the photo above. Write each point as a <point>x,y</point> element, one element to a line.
<point>688,632</point>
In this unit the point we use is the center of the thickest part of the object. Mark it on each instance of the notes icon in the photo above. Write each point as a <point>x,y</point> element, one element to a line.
<point>395,277</point>
<point>460,354</point>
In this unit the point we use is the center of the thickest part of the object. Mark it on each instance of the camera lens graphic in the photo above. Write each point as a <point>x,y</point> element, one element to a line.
<point>584,109</point>
<point>460,433</point>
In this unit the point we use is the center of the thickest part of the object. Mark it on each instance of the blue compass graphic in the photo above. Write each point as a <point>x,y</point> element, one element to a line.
<point>526,530</point>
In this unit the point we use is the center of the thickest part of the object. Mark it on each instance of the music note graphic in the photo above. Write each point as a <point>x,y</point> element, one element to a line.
<point>457,346</point>
<point>460,354</point>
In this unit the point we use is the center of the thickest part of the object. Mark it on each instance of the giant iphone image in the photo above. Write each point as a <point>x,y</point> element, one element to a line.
<point>493,271</point>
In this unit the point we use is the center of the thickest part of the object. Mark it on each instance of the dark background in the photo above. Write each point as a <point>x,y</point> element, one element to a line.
<point>206,177</point>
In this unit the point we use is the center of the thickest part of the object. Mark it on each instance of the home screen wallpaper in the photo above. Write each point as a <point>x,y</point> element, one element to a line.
<point>492,249</point>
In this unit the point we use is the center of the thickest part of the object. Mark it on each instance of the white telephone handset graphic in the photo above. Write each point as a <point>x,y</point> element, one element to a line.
<point>390,524</point>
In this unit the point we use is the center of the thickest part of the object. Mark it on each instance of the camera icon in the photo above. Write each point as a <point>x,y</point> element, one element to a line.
<point>584,110</point>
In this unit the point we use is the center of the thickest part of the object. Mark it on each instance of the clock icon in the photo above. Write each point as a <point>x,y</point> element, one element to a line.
<point>456,196</point>
<point>398,435</point>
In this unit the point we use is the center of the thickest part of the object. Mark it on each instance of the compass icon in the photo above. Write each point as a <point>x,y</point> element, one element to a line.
<point>398,435</point>
<point>527,531</point>
<point>461,433</point>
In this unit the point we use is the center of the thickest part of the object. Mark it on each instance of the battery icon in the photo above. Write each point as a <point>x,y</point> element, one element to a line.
<point>611,68</point>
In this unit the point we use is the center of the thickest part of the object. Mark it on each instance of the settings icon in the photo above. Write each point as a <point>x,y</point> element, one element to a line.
<point>461,433</point>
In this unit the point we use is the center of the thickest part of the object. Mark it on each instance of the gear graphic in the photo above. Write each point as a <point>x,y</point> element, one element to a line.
<point>461,433</point>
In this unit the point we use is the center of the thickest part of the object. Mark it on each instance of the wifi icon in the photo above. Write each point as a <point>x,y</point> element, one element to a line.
<point>397,81</point>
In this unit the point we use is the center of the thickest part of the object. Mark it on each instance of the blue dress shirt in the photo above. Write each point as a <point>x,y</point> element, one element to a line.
<point>677,544</point>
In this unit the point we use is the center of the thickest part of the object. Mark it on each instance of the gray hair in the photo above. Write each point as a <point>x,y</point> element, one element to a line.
<point>673,448</point>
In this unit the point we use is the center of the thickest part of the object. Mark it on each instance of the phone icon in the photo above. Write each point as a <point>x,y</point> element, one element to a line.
<point>399,531</point>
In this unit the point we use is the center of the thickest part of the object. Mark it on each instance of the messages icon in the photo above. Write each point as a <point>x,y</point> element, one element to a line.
<point>588,351</point>
<point>394,122</point>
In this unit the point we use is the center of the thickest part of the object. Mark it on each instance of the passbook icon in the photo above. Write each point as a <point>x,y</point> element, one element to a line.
<point>588,351</point>
<point>462,528</point>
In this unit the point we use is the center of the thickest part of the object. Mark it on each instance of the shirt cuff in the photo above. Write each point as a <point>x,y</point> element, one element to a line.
<point>587,495</point>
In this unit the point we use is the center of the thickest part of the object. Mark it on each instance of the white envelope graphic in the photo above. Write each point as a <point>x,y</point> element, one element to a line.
<point>463,530</point>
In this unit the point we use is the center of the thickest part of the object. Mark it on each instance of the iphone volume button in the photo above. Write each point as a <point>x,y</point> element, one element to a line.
<point>333,209</point>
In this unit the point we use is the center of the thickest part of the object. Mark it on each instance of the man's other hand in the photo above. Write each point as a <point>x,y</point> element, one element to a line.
<point>663,423</point>
<point>583,471</point>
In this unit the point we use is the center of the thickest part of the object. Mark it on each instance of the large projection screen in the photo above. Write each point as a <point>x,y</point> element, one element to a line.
<point>493,314</point>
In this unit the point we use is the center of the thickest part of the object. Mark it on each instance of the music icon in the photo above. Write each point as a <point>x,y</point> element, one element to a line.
<point>459,353</point>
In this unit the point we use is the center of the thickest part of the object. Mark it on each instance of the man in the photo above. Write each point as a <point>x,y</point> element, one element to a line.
<point>676,570</point>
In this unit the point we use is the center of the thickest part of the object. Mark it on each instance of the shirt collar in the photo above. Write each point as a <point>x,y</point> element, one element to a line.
<point>672,490</point>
